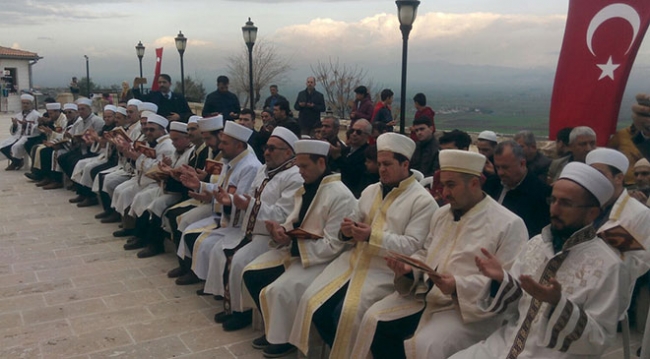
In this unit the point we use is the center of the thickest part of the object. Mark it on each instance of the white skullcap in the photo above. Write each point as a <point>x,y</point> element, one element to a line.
<point>178,126</point>
<point>146,114</point>
<point>209,124</point>
<point>396,143</point>
<point>285,135</point>
<point>134,102</point>
<point>237,131</point>
<point>462,161</point>
<point>148,106</point>
<point>110,108</point>
<point>70,106</point>
<point>194,119</point>
<point>84,101</point>
<point>590,179</point>
<point>27,97</point>
<point>157,119</point>
<point>121,110</point>
<point>608,156</point>
<point>642,163</point>
<point>312,147</point>
<point>53,106</point>
<point>488,136</point>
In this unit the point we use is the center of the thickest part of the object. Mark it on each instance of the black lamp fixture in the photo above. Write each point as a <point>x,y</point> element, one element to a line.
<point>250,35</point>
<point>139,50</point>
<point>181,44</point>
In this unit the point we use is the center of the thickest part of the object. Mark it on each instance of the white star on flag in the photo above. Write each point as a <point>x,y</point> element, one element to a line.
<point>608,69</point>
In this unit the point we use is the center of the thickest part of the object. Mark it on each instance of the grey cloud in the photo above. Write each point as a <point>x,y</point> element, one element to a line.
<point>37,12</point>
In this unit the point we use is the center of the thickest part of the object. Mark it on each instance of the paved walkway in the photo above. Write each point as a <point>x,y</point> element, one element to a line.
<point>69,290</point>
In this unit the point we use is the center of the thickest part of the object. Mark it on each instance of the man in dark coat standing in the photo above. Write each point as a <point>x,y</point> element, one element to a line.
<point>310,103</point>
<point>172,106</point>
<point>222,102</point>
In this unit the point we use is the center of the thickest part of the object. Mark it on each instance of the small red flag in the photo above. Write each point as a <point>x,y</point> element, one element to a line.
<point>600,43</point>
<point>154,83</point>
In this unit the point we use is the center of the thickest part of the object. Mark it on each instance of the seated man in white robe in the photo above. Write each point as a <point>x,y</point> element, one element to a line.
<point>149,233</point>
<point>279,277</point>
<point>271,198</point>
<point>23,126</point>
<point>439,311</point>
<point>393,214</point>
<point>42,166</point>
<point>157,139</point>
<point>239,167</point>
<point>564,294</point>
<point>52,128</point>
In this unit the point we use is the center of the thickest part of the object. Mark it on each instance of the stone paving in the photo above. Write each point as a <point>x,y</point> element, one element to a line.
<point>69,290</point>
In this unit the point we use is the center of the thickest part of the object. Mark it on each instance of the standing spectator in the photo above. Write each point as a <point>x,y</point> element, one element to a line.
<point>382,112</point>
<point>74,88</point>
<point>275,97</point>
<point>425,157</point>
<point>582,140</point>
<point>282,114</point>
<point>222,102</point>
<point>420,102</point>
<point>362,105</point>
<point>126,93</point>
<point>562,142</point>
<point>310,103</point>
<point>536,162</point>
<point>352,159</point>
<point>634,141</point>
<point>330,126</point>
<point>247,119</point>
<point>172,106</point>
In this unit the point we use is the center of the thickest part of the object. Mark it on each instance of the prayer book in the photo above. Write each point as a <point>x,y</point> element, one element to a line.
<point>300,233</point>
<point>619,238</point>
<point>213,167</point>
<point>413,263</point>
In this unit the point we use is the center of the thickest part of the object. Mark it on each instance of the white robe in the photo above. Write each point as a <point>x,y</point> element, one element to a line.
<point>121,173</point>
<point>155,197</point>
<point>279,300</point>
<point>125,192</point>
<point>237,177</point>
<point>79,127</point>
<point>19,137</point>
<point>400,222</point>
<point>451,247</point>
<point>277,201</point>
<point>58,123</point>
<point>583,323</point>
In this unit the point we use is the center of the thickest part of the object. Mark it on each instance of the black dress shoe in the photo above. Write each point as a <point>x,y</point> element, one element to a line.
<point>77,199</point>
<point>221,317</point>
<point>88,202</point>
<point>201,292</point>
<point>114,217</point>
<point>218,297</point>
<point>278,350</point>
<point>134,245</point>
<point>32,176</point>
<point>150,251</point>
<point>187,279</point>
<point>238,321</point>
<point>124,233</point>
<point>176,272</point>
<point>260,343</point>
<point>102,215</point>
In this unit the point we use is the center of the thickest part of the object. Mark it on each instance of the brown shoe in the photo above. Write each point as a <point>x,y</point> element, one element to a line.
<point>112,218</point>
<point>53,185</point>
<point>43,182</point>
<point>88,202</point>
<point>77,199</point>
<point>187,279</point>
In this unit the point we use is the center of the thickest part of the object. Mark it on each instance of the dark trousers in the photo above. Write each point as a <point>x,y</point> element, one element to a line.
<point>171,215</point>
<point>388,341</point>
<point>46,162</point>
<point>326,318</point>
<point>32,142</point>
<point>88,192</point>
<point>7,152</point>
<point>155,235</point>
<point>257,280</point>
<point>68,160</point>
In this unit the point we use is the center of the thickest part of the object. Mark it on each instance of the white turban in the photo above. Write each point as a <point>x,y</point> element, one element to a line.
<point>121,110</point>
<point>237,131</point>
<point>70,106</point>
<point>608,156</point>
<point>194,119</point>
<point>157,119</point>
<point>589,178</point>
<point>209,124</point>
<point>178,126</point>
<point>396,143</point>
<point>148,106</point>
<point>84,101</point>
<point>462,161</point>
<point>53,106</point>
<point>488,136</point>
<point>134,102</point>
<point>285,135</point>
<point>27,97</point>
<point>110,108</point>
<point>642,163</point>
<point>312,147</point>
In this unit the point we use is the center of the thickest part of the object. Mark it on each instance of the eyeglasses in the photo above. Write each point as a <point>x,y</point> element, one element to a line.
<point>357,131</point>
<point>566,203</point>
<point>642,173</point>
<point>272,148</point>
<point>68,112</point>
<point>149,129</point>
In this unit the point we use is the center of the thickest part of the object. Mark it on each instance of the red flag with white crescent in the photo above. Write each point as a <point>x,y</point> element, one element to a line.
<point>154,83</point>
<point>600,43</point>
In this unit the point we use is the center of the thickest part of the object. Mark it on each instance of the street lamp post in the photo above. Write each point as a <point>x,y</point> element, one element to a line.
<point>181,43</point>
<point>407,10</point>
<point>87,77</point>
<point>139,50</point>
<point>250,35</point>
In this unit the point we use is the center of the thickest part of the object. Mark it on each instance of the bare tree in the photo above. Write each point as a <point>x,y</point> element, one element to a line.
<point>194,90</point>
<point>339,81</point>
<point>268,67</point>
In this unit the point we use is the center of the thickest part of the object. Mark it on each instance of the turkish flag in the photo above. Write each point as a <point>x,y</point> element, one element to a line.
<point>154,83</point>
<point>601,41</point>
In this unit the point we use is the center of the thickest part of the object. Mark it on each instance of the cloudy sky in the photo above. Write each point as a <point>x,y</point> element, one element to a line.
<point>525,34</point>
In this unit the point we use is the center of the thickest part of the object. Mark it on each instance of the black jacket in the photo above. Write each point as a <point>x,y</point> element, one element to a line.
<point>425,157</point>
<point>353,169</point>
<point>177,103</point>
<point>223,103</point>
<point>309,116</point>
<point>528,201</point>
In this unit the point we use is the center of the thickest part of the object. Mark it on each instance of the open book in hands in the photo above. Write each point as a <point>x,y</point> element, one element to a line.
<point>619,238</point>
<point>417,264</point>
<point>300,233</point>
<point>213,167</point>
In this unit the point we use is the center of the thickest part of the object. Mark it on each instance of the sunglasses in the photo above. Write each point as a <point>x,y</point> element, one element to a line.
<point>642,173</point>
<point>357,131</point>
